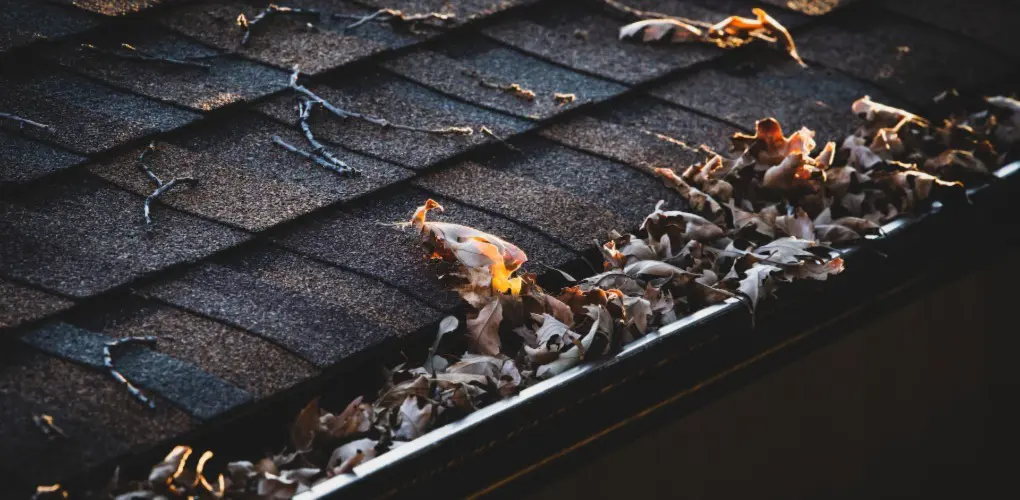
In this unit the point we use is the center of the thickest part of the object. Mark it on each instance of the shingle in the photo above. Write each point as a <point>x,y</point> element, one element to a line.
<point>752,88</point>
<point>20,304</point>
<point>456,69</point>
<point>81,237</point>
<point>185,385</point>
<point>119,7</point>
<point>811,7</point>
<point>100,418</point>
<point>984,20</point>
<point>317,311</point>
<point>363,238</point>
<point>244,178</point>
<point>393,98</point>
<point>85,116</point>
<point>463,10</point>
<point>643,113</point>
<point>286,40</point>
<point>234,355</point>
<point>25,22</point>
<point>587,41</point>
<point>574,197</point>
<point>22,159</point>
<point>227,80</point>
<point>914,61</point>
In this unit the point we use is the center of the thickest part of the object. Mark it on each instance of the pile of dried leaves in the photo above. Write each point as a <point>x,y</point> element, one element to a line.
<point>768,214</point>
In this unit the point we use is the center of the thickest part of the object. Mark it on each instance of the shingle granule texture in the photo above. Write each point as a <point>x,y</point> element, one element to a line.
<point>575,197</point>
<point>103,419</point>
<point>227,80</point>
<point>22,159</point>
<point>84,237</point>
<point>983,20</point>
<point>644,133</point>
<point>461,67</point>
<point>365,239</point>
<point>747,90</point>
<point>20,304</point>
<point>119,7</point>
<point>244,178</point>
<point>24,22</point>
<point>234,355</point>
<point>286,40</point>
<point>915,61</point>
<point>554,35</point>
<point>317,311</point>
<point>185,385</point>
<point>399,101</point>
<point>85,116</point>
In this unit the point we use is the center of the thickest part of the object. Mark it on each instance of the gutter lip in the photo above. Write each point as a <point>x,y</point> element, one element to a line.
<point>334,487</point>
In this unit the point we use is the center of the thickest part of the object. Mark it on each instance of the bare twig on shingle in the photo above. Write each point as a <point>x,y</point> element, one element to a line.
<point>340,166</point>
<point>487,131</point>
<point>45,424</point>
<point>398,20</point>
<point>25,121</point>
<point>511,88</point>
<point>382,122</point>
<point>248,26</point>
<point>132,53</point>
<point>161,187</point>
<point>323,162</point>
<point>108,363</point>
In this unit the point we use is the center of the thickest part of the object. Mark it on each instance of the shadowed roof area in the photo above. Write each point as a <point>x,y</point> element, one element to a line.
<point>273,271</point>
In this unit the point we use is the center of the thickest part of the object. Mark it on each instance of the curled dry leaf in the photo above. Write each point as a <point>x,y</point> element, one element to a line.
<point>412,419</point>
<point>483,328</point>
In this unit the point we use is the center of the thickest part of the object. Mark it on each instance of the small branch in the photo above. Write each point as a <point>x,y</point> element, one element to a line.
<point>248,26</point>
<point>397,19</point>
<point>49,429</point>
<point>25,121</point>
<point>161,187</point>
<point>187,181</point>
<point>304,114</point>
<point>487,131</point>
<point>134,54</point>
<point>323,162</point>
<point>382,122</point>
<point>108,363</point>
<point>511,88</point>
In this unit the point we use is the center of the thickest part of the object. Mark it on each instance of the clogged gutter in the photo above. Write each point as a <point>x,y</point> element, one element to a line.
<point>755,220</point>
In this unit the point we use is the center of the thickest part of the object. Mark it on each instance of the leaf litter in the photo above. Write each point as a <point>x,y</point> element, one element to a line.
<point>769,213</point>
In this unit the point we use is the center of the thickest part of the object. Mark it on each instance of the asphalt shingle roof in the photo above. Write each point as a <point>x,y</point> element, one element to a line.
<point>273,270</point>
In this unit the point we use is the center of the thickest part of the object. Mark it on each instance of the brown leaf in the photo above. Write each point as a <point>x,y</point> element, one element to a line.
<point>798,225</point>
<point>306,425</point>
<point>483,329</point>
<point>412,420</point>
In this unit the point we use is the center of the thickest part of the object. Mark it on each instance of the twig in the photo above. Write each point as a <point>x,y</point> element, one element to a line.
<point>161,187</point>
<point>25,121</point>
<point>324,163</point>
<point>108,363</point>
<point>45,424</point>
<point>382,122</point>
<point>135,54</point>
<point>487,131</point>
<point>340,166</point>
<point>248,26</point>
<point>564,99</point>
<point>187,181</point>
<point>512,88</point>
<point>397,19</point>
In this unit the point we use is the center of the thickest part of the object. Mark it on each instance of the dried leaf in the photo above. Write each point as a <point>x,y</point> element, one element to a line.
<point>483,329</point>
<point>302,433</point>
<point>412,420</point>
<point>798,225</point>
<point>657,30</point>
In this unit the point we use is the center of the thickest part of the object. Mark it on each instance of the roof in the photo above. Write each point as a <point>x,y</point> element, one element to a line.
<point>272,271</point>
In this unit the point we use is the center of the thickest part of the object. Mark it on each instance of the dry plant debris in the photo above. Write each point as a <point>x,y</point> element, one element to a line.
<point>161,187</point>
<point>24,121</point>
<point>732,32</point>
<point>399,21</point>
<point>108,363</point>
<point>46,425</point>
<point>50,492</point>
<point>564,99</point>
<point>129,52</point>
<point>248,26</point>
<point>513,89</point>
<point>756,219</point>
